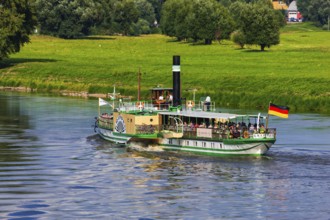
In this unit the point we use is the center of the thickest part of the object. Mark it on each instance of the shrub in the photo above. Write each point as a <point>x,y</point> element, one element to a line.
<point>238,38</point>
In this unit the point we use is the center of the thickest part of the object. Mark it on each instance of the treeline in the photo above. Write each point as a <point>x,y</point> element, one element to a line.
<point>317,11</point>
<point>248,23</point>
<point>206,20</point>
<point>245,21</point>
<point>76,18</point>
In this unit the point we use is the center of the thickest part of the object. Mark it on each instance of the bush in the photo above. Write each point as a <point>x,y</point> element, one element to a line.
<point>238,38</point>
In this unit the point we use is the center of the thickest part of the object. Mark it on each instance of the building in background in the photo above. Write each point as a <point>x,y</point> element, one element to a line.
<point>293,14</point>
<point>280,5</point>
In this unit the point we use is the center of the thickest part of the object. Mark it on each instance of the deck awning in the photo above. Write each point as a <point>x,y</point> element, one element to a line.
<point>209,115</point>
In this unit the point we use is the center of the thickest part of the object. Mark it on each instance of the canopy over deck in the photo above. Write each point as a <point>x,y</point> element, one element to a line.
<point>210,115</point>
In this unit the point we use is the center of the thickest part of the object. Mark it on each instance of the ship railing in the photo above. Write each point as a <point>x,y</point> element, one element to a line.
<point>173,128</point>
<point>105,122</point>
<point>218,133</point>
<point>136,106</point>
<point>268,133</point>
<point>146,129</point>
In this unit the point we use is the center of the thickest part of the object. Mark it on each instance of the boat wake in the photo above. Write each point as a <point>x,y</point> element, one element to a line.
<point>144,146</point>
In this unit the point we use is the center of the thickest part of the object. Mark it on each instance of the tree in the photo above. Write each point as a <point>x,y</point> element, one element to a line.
<point>182,19</point>
<point>68,19</point>
<point>168,19</point>
<point>238,38</point>
<point>17,22</point>
<point>196,19</point>
<point>260,25</point>
<point>104,20</point>
<point>146,17</point>
<point>206,20</point>
<point>146,11</point>
<point>126,14</point>
<point>317,11</point>
<point>157,5</point>
<point>226,23</point>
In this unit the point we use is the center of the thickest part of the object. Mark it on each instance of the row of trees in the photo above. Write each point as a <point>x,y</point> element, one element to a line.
<point>249,21</point>
<point>71,19</point>
<point>253,23</point>
<point>317,11</point>
<point>196,19</point>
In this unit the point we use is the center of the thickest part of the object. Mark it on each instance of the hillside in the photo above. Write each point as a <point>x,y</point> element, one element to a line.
<point>293,73</point>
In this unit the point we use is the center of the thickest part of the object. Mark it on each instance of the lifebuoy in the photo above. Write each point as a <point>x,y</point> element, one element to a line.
<point>140,105</point>
<point>190,104</point>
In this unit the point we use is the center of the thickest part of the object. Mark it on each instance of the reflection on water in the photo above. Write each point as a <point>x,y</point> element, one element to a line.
<point>53,166</point>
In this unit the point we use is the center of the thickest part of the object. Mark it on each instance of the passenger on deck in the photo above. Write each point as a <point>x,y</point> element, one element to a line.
<point>246,134</point>
<point>262,129</point>
<point>231,134</point>
<point>208,103</point>
<point>237,134</point>
<point>170,98</point>
<point>192,126</point>
<point>255,131</point>
<point>227,133</point>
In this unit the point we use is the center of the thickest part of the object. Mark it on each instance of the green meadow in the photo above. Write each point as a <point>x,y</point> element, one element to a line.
<point>295,73</point>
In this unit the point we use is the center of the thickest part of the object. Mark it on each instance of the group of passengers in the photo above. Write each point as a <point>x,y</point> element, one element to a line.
<point>227,129</point>
<point>165,103</point>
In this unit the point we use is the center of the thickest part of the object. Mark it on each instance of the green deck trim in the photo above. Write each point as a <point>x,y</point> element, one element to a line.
<point>248,141</point>
<point>179,147</point>
<point>217,154</point>
<point>145,136</point>
<point>113,138</point>
<point>231,141</point>
<point>142,113</point>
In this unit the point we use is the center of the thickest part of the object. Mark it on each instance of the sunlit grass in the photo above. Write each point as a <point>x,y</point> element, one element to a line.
<point>295,73</point>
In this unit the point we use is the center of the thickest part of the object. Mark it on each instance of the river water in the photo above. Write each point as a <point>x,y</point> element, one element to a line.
<point>53,166</point>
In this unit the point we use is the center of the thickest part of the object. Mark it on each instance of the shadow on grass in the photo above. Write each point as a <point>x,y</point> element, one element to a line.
<point>173,40</point>
<point>254,51</point>
<point>14,61</point>
<point>96,38</point>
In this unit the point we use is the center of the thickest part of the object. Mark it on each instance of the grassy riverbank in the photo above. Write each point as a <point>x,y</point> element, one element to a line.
<point>295,73</point>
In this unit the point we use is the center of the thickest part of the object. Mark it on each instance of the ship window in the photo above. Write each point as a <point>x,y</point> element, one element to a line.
<point>151,120</point>
<point>196,143</point>
<point>187,143</point>
<point>204,144</point>
<point>170,141</point>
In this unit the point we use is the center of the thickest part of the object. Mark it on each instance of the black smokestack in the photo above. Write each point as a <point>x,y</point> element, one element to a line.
<point>176,81</point>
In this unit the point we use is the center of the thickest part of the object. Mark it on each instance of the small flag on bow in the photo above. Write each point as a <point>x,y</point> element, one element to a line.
<point>103,102</point>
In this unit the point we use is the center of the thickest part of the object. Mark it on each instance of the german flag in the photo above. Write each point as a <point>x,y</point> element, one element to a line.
<point>280,111</point>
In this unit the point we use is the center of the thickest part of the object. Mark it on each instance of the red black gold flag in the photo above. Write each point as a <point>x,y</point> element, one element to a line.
<point>280,111</point>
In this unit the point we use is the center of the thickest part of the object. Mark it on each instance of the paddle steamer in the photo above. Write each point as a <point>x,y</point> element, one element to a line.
<point>168,122</point>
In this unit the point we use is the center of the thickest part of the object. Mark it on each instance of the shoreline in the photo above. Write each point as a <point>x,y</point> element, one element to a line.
<point>87,95</point>
<point>62,93</point>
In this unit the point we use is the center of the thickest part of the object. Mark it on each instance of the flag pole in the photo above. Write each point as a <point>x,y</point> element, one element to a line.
<point>267,116</point>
